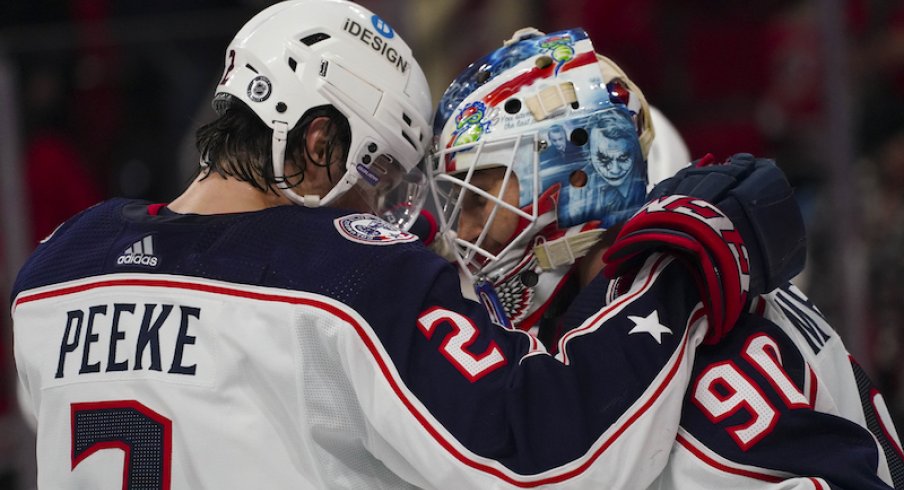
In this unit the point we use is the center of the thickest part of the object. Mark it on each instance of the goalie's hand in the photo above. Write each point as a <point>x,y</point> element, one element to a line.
<point>737,221</point>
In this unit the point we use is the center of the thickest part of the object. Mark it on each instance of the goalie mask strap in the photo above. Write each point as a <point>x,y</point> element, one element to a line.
<point>565,250</point>
<point>550,99</point>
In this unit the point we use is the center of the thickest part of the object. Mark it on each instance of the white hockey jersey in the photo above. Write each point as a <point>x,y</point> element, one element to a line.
<point>781,404</point>
<point>305,348</point>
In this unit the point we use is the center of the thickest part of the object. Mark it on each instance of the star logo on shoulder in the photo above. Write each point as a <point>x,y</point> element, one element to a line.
<point>651,325</point>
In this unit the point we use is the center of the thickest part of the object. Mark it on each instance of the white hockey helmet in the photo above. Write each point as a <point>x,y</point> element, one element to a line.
<point>303,54</point>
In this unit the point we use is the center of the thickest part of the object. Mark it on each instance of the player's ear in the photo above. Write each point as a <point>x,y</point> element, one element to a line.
<point>318,137</point>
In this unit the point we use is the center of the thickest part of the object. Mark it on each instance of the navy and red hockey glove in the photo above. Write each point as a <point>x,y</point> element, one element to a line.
<point>737,222</point>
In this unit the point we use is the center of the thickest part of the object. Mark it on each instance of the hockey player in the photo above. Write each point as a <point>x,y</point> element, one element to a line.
<point>775,403</point>
<point>271,328</point>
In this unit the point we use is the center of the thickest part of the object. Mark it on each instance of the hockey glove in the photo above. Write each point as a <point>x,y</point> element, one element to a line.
<point>738,223</point>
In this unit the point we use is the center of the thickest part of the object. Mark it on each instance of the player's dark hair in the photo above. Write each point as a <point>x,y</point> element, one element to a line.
<point>238,144</point>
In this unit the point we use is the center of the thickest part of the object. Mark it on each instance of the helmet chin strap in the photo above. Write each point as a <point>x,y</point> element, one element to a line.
<point>278,145</point>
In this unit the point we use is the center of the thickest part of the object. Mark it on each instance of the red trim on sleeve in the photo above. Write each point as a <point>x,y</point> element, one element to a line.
<point>154,209</point>
<point>578,466</point>
<point>719,466</point>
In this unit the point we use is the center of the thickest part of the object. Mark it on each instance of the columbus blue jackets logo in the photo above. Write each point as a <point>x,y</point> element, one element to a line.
<point>370,230</point>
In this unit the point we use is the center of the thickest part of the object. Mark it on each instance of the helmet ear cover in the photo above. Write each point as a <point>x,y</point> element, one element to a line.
<point>338,138</point>
<point>237,143</point>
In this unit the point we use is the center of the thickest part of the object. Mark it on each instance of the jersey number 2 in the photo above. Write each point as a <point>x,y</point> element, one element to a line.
<point>456,344</point>
<point>143,435</point>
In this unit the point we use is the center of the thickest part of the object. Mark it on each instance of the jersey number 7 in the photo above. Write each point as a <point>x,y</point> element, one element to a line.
<point>141,433</point>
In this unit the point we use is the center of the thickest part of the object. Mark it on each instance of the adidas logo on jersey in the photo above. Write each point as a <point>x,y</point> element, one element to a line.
<point>140,253</point>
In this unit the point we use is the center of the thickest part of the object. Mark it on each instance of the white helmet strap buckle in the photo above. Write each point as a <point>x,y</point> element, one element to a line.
<point>278,153</point>
<point>565,250</point>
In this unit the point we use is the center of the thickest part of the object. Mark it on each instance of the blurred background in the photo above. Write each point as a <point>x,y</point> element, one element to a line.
<point>100,98</point>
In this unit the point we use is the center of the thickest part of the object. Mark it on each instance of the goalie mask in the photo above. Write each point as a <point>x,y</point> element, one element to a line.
<point>564,127</point>
<point>300,55</point>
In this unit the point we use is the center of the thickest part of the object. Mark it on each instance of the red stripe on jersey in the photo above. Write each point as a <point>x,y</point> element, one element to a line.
<point>513,479</point>
<point>722,467</point>
<point>760,308</point>
<point>620,301</point>
<point>814,388</point>
<point>873,394</point>
<point>154,209</point>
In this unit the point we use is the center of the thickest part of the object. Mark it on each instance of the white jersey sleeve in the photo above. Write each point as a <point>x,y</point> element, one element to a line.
<point>156,381</point>
<point>305,348</point>
<point>782,404</point>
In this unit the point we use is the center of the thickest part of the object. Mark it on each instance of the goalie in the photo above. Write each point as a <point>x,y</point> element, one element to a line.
<point>773,398</point>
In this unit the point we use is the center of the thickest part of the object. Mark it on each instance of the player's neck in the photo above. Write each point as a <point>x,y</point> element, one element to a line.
<point>219,195</point>
<point>590,265</point>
